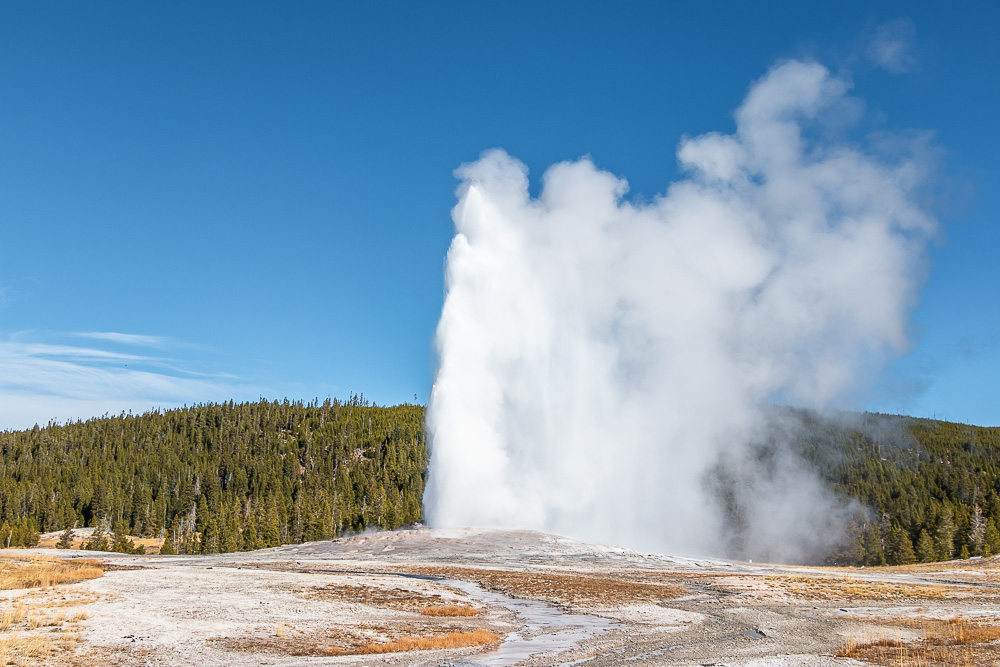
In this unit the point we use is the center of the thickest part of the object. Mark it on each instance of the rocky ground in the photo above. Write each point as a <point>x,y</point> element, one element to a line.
<point>430,597</point>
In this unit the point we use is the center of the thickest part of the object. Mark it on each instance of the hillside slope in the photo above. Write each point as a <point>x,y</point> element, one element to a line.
<point>233,477</point>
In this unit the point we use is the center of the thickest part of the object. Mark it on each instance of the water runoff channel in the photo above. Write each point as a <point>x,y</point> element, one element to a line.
<point>546,629</point>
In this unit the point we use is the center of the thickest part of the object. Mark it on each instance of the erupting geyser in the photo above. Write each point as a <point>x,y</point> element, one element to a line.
<point>601,359</point>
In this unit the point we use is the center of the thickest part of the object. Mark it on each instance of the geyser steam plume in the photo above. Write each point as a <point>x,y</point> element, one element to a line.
<point>601,359</point>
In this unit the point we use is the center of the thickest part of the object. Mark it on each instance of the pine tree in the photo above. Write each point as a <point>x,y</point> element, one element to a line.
<point>977,531</point>
<point>272,527</point>
<point>900,547</point>
<point>944,533</point>
<point>122,543</point>
<point>210,537</point>
<point>926,549</point>
<point>991,539</point>
<point>98,540</point>
<point>167,548</point>
<point>65,539</point>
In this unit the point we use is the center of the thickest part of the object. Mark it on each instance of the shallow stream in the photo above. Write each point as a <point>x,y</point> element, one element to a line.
<point>548,629</point>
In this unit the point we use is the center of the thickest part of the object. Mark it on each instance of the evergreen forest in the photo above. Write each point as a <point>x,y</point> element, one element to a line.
<point>217,478</point>
<point>930,489</point>
<point>235,477</point>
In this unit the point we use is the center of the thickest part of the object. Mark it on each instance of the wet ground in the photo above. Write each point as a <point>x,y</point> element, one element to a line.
<point>526,598</point>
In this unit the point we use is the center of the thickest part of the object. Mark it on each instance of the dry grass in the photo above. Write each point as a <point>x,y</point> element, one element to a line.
<point>42,572</point>
<point>21,649</point>
<point>50,540</point>
<point>339,643</point>
<point>28,634</point>
<point>375,596</point>
<point>12,616</point>
<point>824,588</point>
<point>55,597</point>
<point>478,637</point>
<point>450,610</point>
<point>562,588</point>
<point>949,642</point>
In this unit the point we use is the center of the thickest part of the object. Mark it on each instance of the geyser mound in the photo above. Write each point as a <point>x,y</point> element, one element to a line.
<point>603,363</point>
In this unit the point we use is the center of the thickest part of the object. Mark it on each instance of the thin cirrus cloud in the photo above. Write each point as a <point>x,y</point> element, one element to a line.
<point>41,382</point>
<point>137,340</point>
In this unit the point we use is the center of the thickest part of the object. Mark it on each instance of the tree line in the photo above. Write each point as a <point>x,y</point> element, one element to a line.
<point>234,477</point>
<point>930,489</point>
<point>217,477</point>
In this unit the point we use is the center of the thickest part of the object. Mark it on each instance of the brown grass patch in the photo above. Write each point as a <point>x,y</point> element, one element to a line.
<point>944,642</point>
<point>12,616</point>
<point>375,596</point>
<point>336,642</point>
<point>30,633</point>
<point>42,572</point>
<point>562,588</point>
<point>823,588</point>
<point>21,649</point>
<point>449,610</point>
<point>30,637</point>
<point>477,637</point>
<point>115,567</point>
<point>152,544</point>
<point>51,598</point>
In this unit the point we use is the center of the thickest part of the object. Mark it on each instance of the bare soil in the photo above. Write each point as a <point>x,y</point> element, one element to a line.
<point>371,599</point>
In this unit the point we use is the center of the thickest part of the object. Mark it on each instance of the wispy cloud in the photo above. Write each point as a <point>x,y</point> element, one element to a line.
<point>891,46</point>
<point>40,382</point>
<point>127,339</point>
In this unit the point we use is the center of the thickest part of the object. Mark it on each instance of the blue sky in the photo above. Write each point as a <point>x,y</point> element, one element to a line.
<point>205,201</point>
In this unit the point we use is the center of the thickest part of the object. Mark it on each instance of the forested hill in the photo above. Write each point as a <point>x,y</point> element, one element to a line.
<point>932,488</point>
<point>218,478</point>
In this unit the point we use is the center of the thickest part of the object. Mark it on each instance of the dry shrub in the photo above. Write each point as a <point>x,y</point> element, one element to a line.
<point>945,642</point>
<point>961,632</point>
<point>450,610</point>
<point>854,647</point>
<point>37,572</point>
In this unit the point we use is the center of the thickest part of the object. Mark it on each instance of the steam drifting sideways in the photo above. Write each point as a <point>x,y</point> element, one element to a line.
<point>601,361</point>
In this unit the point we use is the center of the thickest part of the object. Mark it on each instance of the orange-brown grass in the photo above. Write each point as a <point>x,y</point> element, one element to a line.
<point>375,596</point>
<point>449,610</point>
<point>350,644</point>
<point>12,616</point>
<point>54,597</point>
<point>477,637</point>
<point>837,588</point>
<point>561,588</point>
<point>42,572</point>
<point>152,544</point>
<point>29,637</point>
<point>20,649</point>
<point>991,564</point>
<point>944,642</point>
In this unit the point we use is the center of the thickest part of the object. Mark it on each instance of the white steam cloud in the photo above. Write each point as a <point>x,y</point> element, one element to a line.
<point>603,364</point>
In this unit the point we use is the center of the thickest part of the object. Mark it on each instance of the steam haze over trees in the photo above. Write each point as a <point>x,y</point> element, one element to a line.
<point>229,477</point>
